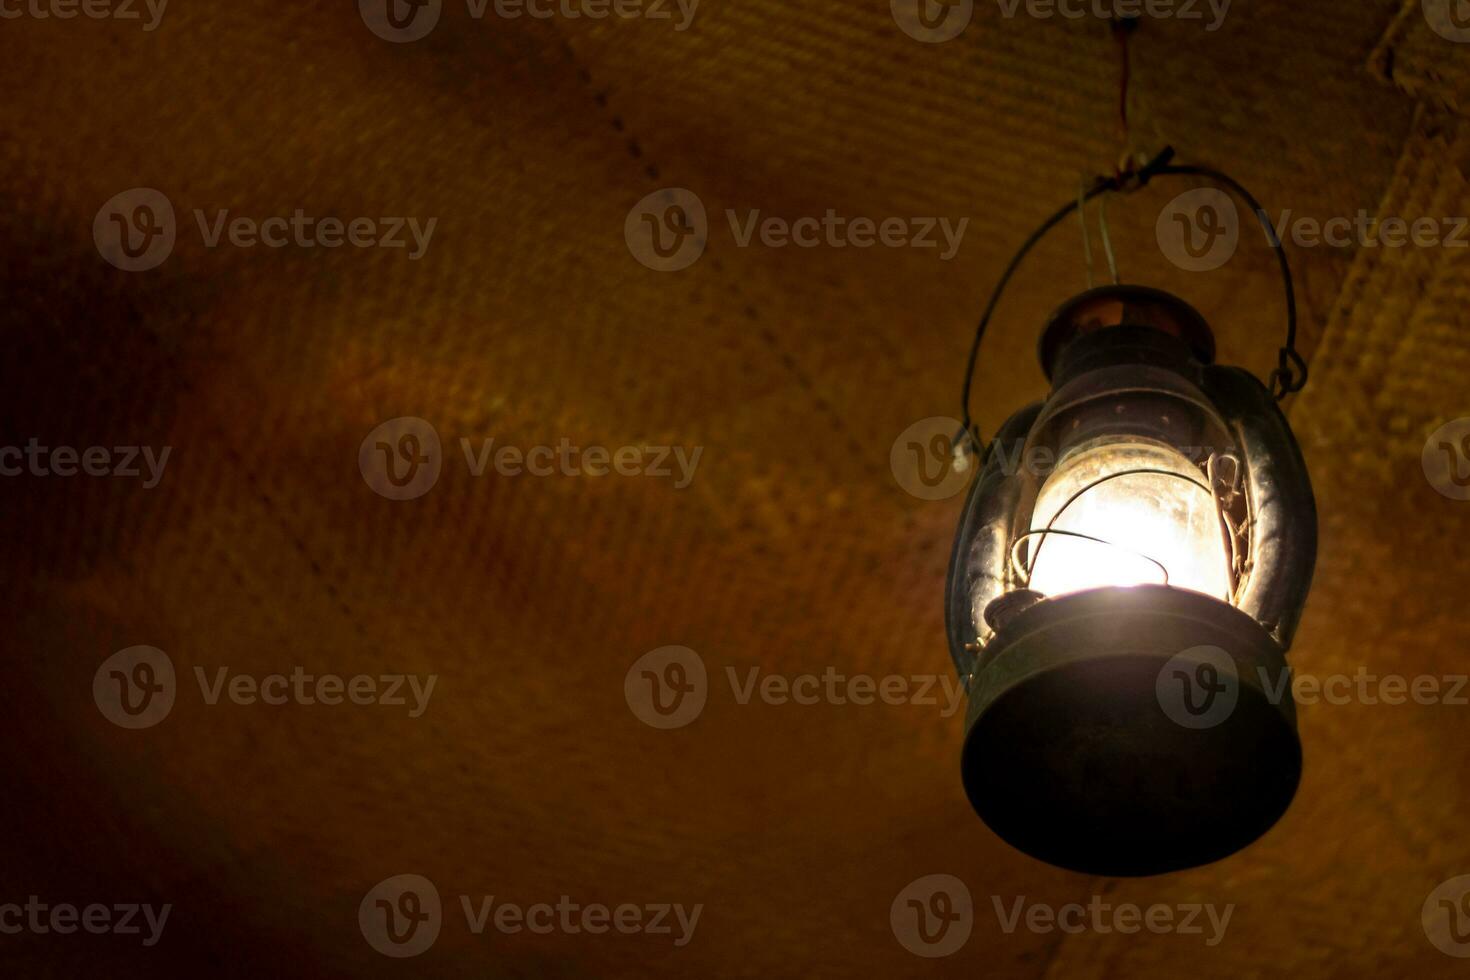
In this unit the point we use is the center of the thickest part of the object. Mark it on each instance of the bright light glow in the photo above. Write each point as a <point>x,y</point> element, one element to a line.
<point>1165,514</point>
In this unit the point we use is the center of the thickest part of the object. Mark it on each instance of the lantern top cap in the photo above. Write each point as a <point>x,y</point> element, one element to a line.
<point>1116,305</point>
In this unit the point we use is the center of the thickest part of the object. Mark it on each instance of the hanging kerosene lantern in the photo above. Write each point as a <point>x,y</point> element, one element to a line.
<point>1128,573</point>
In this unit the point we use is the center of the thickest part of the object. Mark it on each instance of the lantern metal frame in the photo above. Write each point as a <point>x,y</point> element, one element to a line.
<point>1070,755</point>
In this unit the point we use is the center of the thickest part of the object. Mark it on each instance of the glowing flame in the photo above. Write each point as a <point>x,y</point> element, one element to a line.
<point>1132,510</point>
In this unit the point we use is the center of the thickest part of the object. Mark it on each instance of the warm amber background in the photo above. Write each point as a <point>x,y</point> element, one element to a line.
<point>794,549</point>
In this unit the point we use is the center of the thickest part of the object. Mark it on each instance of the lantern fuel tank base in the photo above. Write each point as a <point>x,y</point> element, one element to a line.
<point>1131,731</point>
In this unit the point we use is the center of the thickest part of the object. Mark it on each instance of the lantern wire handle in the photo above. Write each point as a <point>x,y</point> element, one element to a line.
<point>1290,375</point>
<point>1082,220</point>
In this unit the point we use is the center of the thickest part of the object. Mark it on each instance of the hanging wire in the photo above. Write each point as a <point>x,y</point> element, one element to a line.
<point>1133,173</point>
<point>1123,28</point>
<point>1107,240</point>
<point>1290,375</point>
<point>1102,221</point>
<point>1099,185</point>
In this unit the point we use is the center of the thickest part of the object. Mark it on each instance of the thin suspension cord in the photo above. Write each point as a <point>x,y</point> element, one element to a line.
<point>1099,186</point>
<point>1290,375</point>
<point>1123,27</point>
<point>1107,239</point>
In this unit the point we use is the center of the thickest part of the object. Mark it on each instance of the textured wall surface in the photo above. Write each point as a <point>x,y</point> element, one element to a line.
<point>792,550</point>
